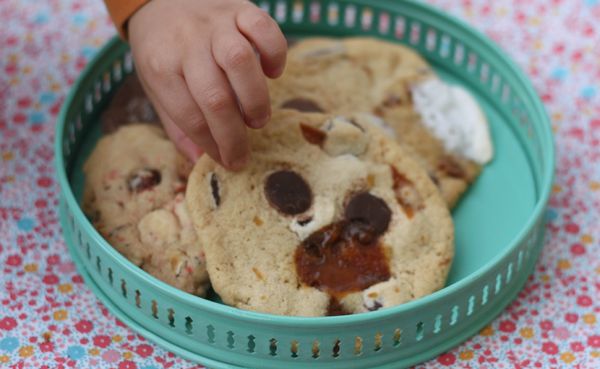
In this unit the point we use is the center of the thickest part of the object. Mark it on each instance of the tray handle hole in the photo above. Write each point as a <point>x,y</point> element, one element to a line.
<point>445,46</point>
<point>294,349</point>
<point>154,309</point>
<point>188,325</point>
<point>273,347</point>
<point>98,264</point>
<point>420,329</point>
<point>472,63</point>
<point>430,39</point>
<point>484,73</point>
<point>454,316</point>
<point>332,14</point>
<point>471,305</point>
<point>415,33</point>
<point>251,344</point>
<point>484,296</point>
<point>210,333</point>
<point>509,272</point>
<point>358,345</point>
<point>366,19</point>
<point>336,348</point>
<point>315,349</point>
<point>384,23</point>
<point>520,260</point>
<point>498,283</point>
<point>106,81</point>
<point>124,288</point>
<point>117,71</point>
<point>88,251</point>
<point>397,336</point>
<point>171,317</point>
<point>110,276</point>
<point>230,340</point>
<point>378,343</point>
<point>495,83</point>
<point>138,300</point>
<point>437,325</point>
<point>459,54</point>
<point>350,16</point>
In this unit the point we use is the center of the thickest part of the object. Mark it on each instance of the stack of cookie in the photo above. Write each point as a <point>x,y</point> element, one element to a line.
<point>344,207</point>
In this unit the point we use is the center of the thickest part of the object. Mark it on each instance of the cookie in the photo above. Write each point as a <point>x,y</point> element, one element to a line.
<point>330,217</point>
<point>441,124</point>
<point>134,196</point>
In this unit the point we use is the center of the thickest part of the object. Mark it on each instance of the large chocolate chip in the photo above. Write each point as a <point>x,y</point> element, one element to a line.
<point>366,208</point>
<point>302,104</point>
<point>288,192</point>
<point>338,260</point>
<point>214,186</point>
<point>143,179</point>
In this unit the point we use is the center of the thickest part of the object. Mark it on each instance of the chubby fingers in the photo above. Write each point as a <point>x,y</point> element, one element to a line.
<point>179,138</point>
<point>264,33</point>
<point>181,117</point>
<point>236,58</point>
<point>212,92</point>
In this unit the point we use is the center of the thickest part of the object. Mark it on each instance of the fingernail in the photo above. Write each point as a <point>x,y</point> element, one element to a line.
<point>239,163</point>
<point>279,71</point>
<point>259,123</point>
<point>196,153</point>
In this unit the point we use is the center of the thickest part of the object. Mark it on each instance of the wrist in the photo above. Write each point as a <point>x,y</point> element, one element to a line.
<point>121,12</point>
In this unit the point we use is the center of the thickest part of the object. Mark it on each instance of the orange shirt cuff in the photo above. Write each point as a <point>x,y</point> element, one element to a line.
<point>121,10</point>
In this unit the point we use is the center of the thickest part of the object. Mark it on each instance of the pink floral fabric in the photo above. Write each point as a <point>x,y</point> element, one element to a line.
<point>49,319</point>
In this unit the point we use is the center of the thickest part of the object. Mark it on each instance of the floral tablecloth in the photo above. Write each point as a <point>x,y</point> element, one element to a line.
<point>49,319</point>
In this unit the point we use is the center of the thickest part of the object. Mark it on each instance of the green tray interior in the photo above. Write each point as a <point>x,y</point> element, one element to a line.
<point>492,212</point>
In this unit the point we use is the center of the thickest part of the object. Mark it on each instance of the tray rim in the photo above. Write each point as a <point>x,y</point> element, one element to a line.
<point>214,364</point>
<point>308,322</point>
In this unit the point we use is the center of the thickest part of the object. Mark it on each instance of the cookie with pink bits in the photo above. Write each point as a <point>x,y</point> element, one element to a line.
<point>134,196</point>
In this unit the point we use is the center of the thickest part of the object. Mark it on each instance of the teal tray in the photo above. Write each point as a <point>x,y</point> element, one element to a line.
<point>499,223</point>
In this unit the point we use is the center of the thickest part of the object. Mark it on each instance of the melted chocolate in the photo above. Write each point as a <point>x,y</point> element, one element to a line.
<point>346,256</point>
<point>342,257</point>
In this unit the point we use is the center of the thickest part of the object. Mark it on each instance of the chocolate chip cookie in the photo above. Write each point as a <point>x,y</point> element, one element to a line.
<point>330,217</point>
<point>441,123</point>
<point>134,196</point>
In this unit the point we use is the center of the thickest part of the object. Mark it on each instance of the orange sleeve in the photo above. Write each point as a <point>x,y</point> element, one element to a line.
<point>121,10</point>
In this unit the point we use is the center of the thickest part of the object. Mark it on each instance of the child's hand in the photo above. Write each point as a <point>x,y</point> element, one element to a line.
<point>197,62</point>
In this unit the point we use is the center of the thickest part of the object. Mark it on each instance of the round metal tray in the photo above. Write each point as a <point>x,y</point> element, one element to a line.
<point>499,223</point>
